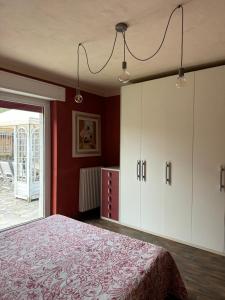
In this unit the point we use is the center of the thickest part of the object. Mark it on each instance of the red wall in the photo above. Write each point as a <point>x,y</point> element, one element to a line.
<point>111,131</point>
<point>65,169</point>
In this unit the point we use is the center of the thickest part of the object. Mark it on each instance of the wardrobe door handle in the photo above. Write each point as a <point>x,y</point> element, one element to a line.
<point>222,186</point>
<point>138,170</point>
<point>143,170</point>
<point>168,173</point>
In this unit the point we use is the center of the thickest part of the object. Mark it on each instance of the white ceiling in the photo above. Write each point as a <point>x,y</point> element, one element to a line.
<point>40,37</point>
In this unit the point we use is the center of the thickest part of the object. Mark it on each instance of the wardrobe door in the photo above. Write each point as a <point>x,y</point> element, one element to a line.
<point>130,155</point>
<point>167,133</point>
<point>177,165</point>
<point>153,155</point>
<point>209,158</point>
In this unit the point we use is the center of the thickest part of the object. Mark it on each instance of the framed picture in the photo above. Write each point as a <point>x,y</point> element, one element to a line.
<point>86,131</point>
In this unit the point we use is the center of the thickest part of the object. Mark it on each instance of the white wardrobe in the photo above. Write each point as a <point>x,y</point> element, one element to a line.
<point>173,158</point>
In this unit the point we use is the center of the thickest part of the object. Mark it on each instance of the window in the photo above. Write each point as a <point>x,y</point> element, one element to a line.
<point>32,183</point>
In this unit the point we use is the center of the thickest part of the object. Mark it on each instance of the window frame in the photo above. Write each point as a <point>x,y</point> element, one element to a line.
<point>15,101</point>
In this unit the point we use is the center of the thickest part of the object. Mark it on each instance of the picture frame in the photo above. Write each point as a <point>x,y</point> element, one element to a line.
<point>86,134</point>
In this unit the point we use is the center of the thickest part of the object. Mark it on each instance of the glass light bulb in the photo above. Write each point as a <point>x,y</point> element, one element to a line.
<point>181,81</point>
<point>124,76</point>
<point>78,98</point>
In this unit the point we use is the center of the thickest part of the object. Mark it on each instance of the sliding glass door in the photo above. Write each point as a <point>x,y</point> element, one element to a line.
<point>22,163</point>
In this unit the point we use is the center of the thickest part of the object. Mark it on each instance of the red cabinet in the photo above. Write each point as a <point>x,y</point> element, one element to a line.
<point>110,194</point>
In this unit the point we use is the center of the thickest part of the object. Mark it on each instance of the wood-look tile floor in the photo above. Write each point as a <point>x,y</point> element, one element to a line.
<point>203,272</point>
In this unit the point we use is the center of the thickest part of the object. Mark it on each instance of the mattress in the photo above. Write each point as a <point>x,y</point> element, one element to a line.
<point>61,258</point>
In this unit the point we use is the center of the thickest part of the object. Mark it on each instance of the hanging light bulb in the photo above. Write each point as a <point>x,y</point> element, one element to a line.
<point>181,79</point>
<point>125,75</point>
<point>78,98</point>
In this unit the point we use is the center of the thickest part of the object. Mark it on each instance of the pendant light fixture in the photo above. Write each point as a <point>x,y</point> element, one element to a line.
<point>181,79</point>
<point>78,97</point>
<point>124,77</point>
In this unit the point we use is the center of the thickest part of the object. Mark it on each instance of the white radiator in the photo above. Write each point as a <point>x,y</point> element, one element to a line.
<point>89,191</point>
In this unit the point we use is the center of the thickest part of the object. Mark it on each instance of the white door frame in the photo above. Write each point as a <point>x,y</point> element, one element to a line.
<point>46,141</point>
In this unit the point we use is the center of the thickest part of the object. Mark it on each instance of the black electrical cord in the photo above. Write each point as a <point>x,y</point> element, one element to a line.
<point>85,51</point>
<point>161,44</point>
<point>182,36</point>
<point>78,66</point>
<point>126,46</point>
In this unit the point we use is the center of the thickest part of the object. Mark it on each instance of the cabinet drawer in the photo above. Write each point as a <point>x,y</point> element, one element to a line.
<point>110,194</point>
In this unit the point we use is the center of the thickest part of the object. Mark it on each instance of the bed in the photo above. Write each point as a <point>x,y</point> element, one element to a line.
<point>60,258</point>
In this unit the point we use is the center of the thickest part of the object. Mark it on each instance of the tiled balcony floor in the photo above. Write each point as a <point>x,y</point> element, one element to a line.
<point>16,211</point>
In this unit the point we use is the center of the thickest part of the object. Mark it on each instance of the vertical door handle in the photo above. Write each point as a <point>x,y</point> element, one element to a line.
<point>138,170</point>
<point>222,185</point>
<point>143,170</point>
<point>168,173</point>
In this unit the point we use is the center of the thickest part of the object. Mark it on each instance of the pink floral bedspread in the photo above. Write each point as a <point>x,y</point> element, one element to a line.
<point>60,258</point>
